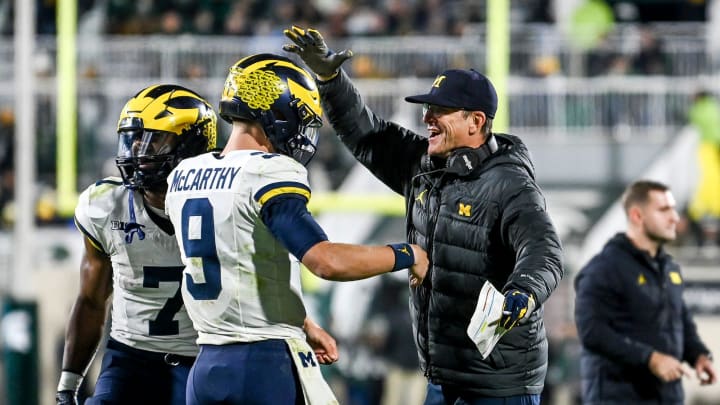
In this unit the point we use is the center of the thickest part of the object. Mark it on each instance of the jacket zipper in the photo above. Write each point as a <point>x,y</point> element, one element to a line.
<point>432,222</point>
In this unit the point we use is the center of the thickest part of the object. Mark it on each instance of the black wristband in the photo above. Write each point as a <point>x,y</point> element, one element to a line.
<point>404,256</point>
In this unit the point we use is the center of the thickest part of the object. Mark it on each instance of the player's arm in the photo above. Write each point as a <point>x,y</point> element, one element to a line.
<point>87,318</point>
<point>346,262</point>
<point>290,222</point>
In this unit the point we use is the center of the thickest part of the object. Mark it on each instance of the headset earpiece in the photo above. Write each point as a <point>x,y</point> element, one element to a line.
<point>465,162</point>
<point>462,162</point>
<point>426,164</point>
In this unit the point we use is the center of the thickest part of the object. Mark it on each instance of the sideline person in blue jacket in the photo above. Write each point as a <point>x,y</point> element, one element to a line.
<point>633,324</point>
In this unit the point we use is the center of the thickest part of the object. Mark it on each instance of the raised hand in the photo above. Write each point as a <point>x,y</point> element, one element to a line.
<point>311,47</point>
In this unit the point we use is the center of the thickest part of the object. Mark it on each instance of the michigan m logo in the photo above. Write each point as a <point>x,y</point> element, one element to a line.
<point>438,80</point>
<point>464,209</point>
<point>307,359</point>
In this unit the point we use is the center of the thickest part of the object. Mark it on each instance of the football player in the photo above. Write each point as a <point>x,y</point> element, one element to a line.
<point>131,253</point>
<point>243,229</point>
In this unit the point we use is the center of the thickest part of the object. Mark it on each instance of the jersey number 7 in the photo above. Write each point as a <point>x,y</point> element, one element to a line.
<point>164,324</point>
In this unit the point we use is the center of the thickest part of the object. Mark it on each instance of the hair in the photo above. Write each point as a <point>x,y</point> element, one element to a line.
<point>639,192</point>
<point>487,126</point>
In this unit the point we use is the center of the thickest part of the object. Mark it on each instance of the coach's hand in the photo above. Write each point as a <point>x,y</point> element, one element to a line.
<point>311,47</point>
<point>517,306</point>
<point>66,398</point>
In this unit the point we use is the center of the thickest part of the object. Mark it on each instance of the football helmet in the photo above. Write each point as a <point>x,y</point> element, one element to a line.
<point>281,96</point>
<point>160,126</point>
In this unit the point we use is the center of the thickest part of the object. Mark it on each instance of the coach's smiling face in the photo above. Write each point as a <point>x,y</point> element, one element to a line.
<point>452,128</point>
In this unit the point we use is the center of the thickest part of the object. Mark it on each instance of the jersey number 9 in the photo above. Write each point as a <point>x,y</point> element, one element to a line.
<point>201,244</point>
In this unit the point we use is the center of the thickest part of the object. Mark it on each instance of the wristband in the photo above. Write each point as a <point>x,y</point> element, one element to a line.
<point>404,256</point>
<point>69,381</point>
<point>325,79</point>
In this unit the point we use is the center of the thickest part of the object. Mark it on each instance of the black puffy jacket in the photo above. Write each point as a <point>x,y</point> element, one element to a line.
<point>492,226</point>
<point>627,305</point>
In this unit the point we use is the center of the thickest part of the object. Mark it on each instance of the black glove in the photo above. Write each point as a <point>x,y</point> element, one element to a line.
<point>517,305</point>
<point>311,48</point>
<point>66,398</point>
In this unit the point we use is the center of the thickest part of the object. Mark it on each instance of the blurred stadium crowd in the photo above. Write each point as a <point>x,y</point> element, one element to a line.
<point>646,54</point>
<point>671,41</point>
<point>252,17</point>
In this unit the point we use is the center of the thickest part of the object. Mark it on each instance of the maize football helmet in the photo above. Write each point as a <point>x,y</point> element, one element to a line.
<point>160,126</point>
<point>281,96</point>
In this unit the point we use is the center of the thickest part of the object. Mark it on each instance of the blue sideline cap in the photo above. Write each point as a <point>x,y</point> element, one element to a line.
<point>458,88</point>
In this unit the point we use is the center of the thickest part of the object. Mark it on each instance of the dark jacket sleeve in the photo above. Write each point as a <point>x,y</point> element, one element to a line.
<point>391,152</point>
<point>694,347</point>
<point>598,295</point>
<point>526,226</point>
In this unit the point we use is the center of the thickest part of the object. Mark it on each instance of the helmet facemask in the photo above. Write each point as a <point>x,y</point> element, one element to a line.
<point>158,128</point>
<point>146,157</point>
<point>300,145</point>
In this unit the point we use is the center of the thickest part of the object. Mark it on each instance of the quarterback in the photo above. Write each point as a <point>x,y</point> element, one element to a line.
<point>243,229</point>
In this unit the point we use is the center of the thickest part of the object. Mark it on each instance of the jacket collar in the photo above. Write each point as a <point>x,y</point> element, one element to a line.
<point>621,241</point>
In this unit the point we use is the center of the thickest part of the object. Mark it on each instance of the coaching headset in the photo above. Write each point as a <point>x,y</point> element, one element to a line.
<point>462,162</point>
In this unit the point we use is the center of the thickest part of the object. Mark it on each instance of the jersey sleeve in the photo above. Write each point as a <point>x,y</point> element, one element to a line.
<point>93,211</point>
<point>277,176</point>
<point>281,195</point>
<point>291,223</point>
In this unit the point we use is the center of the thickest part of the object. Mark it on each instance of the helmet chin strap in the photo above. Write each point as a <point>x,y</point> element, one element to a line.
<point>267,120</point>
<point>292,145</point>
<point>132,227</point>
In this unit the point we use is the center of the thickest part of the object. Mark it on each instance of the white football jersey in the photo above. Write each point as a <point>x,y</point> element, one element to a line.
<point>240,283</point>
<point>147,307</point>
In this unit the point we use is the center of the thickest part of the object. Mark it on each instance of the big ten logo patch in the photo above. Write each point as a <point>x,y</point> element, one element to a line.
<point>117,225</point>
<point>307,359</point>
